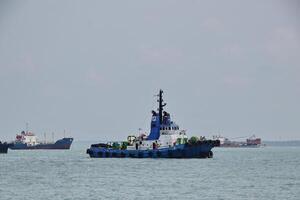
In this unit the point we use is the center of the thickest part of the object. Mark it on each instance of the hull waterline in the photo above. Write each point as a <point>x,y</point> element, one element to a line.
<point>201,149</point>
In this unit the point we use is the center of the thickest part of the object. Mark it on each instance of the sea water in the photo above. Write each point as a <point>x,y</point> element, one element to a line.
<point>233,173</point>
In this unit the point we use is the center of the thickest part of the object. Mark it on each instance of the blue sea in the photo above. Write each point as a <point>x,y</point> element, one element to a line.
<point>234,173</point>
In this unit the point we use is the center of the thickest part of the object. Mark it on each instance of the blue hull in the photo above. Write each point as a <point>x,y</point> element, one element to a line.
<point>64,143</point>
<point>201,149</point>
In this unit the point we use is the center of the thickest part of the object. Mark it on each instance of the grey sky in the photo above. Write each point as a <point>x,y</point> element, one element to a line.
<point>92,67</point>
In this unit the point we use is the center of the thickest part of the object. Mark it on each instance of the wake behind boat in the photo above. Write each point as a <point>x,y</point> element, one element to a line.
<point>28,140</point>
<point>165,140</point>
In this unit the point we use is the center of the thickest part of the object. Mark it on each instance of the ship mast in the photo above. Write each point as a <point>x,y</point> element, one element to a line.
<point>26,127</point>
<point>161,105</point>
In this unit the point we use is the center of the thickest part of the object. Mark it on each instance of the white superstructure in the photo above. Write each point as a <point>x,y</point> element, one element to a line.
<point>27,138</point>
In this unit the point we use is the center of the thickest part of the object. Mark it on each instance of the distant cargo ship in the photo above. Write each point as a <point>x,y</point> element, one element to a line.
<point>27,140</point>
<point>250,142</point>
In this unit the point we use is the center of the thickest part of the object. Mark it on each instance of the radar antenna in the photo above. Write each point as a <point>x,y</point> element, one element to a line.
<point>161,105</point>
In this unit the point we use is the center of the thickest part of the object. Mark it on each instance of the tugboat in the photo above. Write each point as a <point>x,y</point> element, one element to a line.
<point>3,147</point>
<point>165,140</point>
<point>27,140</point>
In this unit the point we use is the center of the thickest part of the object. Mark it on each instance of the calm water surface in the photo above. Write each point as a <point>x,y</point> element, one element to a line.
<point>262,173</point>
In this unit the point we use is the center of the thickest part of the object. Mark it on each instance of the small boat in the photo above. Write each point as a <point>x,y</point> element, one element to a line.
<point>28,140</point>
<point>252,141</point>
<point>4,147</point>
<point>165,140</point>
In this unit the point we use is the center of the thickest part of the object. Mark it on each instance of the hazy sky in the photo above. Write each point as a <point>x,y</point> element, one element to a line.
<point>92,67</point>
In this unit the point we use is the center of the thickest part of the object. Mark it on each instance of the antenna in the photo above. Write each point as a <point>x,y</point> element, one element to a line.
<point>52,136</point>
<point>64,133</point>
<point>45,137</point>
<point>161,105</point>
<point>140,131</point>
